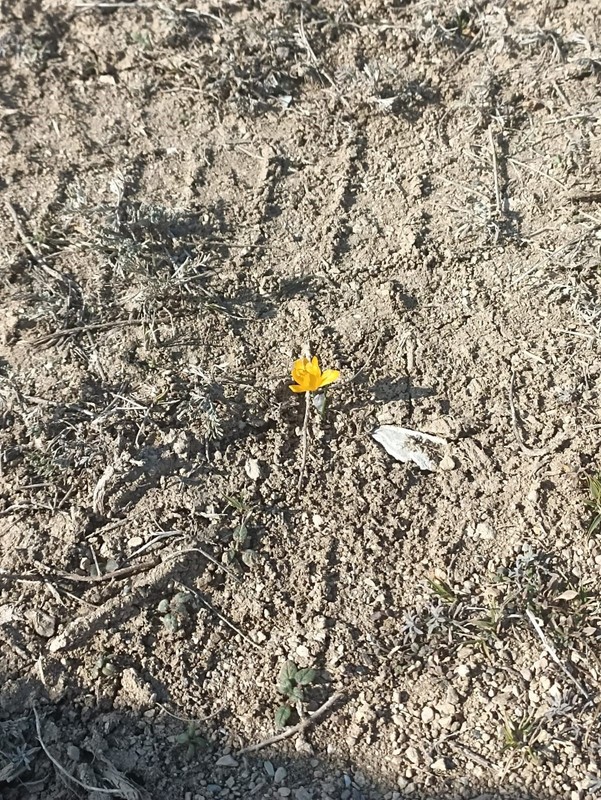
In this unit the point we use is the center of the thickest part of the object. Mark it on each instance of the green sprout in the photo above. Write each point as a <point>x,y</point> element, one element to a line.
<point>442,589</point>
<point>175,612</point>
<point>239,545</point>
<point>291,681</point>
<point>521,735</point>
<point>192,739</point>
<point>594,501</point>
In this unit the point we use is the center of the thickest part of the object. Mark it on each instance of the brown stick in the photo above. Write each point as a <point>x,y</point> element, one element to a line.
<point>304,434</point>
<point>300,728</point>
<point>118,574</point>
<point>495,169</point>
<point>95,326</point>
<point>62,769</point>
<point>585,196</point>
<point>464,53</point>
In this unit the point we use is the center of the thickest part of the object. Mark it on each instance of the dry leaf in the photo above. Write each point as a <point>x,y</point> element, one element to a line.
<point>407,445</point>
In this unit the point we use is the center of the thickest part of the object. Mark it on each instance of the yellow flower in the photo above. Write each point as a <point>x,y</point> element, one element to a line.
<point>308,376</point>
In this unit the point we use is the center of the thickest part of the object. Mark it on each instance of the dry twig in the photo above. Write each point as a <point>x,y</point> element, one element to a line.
<point>62,769</point>
<point>300,728</point>
<point>495,168</point>
<point>117,574</point>
<point>464,53</point>
<point>305,436</point>
<point>229,624</point>
<point>551,651</point>
<point>95,326</point>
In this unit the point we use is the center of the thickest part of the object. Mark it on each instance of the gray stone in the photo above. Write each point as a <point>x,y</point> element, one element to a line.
<point>226,761</point>
<point>280,775</point>
<point>73,753</point>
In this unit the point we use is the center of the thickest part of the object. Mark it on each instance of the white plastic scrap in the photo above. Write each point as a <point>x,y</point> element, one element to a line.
<point>407,445</point>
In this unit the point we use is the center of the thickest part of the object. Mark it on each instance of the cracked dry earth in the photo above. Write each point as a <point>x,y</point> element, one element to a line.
<point>193,195</point>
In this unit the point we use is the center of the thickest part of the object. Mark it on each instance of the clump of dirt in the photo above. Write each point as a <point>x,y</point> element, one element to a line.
<point>193,196</point>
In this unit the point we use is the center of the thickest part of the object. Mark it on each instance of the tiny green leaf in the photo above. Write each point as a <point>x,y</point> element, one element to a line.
<point>288,671</point>
<point>595,524</point>
<point>235,502</point>
<point>305,676</point>
<point>171,623</point>
<point>180,599</point>
<point>240,534</point>
<point>285,686</point>
<point>282,715</point>
<point>442,589</point>
<point>296,694</point>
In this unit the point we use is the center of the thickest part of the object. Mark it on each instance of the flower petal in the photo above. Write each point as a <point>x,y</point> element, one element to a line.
<point>312,366</point>
<point>297,389</point>
<point>329,376</point>
<point>299,370</point>
<point>300,363</point>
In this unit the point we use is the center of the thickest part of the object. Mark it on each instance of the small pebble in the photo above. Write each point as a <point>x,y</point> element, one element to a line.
<point>226,761</point>
<point>302,651</point>
<point>73,753</point>
<point>43,624</point>
<point>269,768</point>
<point>284,791</point>
<point>484,531</point>
<point>427,715</point>
<point>280,775</point>
<point>447,463</point>
<point>253,469</point>
<point>135,541</point>
<point>302,794</point>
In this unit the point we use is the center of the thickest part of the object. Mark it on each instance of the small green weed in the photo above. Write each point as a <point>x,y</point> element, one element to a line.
<point>521,734</point>
<point>442,589</point>
<point>240,504</point>
<point>291,683</point>
<point>594,501</point>
<point>103,668</point>
<point>191,739</point>
<point>175,612</point>
<point>238,549</point>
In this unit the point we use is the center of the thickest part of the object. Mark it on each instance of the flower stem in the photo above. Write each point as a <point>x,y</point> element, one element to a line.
<point>305,437</point>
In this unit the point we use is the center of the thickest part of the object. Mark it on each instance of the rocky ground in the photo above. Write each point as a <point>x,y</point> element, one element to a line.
<point>194,195</point>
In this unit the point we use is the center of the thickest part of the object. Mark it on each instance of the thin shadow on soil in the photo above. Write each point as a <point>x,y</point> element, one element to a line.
<point>389,389</point>
<point>150,754</point>
<point>408,102</point>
